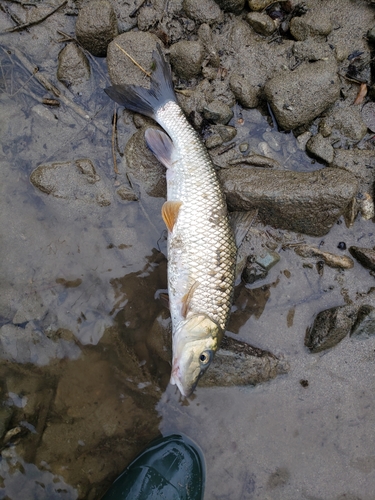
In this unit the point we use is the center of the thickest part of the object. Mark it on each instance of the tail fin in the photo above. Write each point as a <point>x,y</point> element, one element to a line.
<point>142,100</point>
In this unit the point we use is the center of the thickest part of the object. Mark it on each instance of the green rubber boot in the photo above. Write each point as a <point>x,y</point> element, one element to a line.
<point>170,468</point>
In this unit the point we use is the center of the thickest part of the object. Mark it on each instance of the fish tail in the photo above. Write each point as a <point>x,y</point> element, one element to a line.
<point>147,101</point>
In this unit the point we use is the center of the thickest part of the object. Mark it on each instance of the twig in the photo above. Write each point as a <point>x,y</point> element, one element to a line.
<point>19,2</point>
<point>37,21</point>
<point>114,122</point>
<point>13,16</point>
<point>133,60</point>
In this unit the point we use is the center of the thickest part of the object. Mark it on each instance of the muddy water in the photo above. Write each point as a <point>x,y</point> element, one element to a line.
<point>85,392</point>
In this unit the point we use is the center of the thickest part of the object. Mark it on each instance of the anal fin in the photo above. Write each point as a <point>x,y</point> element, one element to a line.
<point>169,212</point>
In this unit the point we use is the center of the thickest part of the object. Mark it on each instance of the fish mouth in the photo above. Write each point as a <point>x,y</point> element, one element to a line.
<point>176,380</point>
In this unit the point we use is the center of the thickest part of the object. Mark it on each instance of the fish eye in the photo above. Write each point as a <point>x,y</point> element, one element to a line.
<point>205,357</point>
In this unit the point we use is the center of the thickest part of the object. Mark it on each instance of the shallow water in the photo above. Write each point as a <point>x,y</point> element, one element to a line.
<point>81,385</point>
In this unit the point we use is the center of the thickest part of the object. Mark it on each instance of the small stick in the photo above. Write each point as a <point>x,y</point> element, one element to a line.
<point>114,122</point>
<point>133,60</point>
<point>19,2</point>
<point>31,23</point>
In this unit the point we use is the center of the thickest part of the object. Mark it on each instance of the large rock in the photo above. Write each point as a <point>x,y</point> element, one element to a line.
<point>140,46</point>
<point>96,26</point>
<point>308,203</point>
<point>72,180</point>
<point>187,58</point>
<point>330,327</point>
<point>143,168</point>
<point>299,96</point>
<point>359,162</point>
<point>73,69</point>
<point>203,11</point>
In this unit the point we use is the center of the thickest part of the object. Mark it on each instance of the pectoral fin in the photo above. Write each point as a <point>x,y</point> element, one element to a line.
<point>169,212</point>
<point>161,145</point>
<point>187,298</point>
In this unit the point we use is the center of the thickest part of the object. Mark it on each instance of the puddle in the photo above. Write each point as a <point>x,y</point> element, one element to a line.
<point>82,391</point>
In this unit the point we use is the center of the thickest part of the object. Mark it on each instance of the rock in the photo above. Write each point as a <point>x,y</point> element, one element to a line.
<point>366,206</point>
<point>234,6</point>
<point>365,256</point>
<point>140,46</point>
<point>368,115</point>
<point>311,50</point>
<point>96,26</point>
<point>261,23</point>
<point>365,322</point>
<point>308,203</point>
<point>259,4</point>
<point>126,193</point>
<point>225,132</point>
<point>186,58</point>
<point>205,36</point>
<point>203,11</point>
<point>330,327</point>
<point>147,17</point>
<point>73,69</point>
<point>255,61</point>
<point>257,161</point>
<point>297,97</point>
<point>218,112</point>
<point>253,271</point>
<point>214,141</point>
<point>5,416</point>
<point>308,25</point>
<point>72,180</point>
<point>348,121</point>
<point>244,92</point>
<point>237,363</point>
<point>359,162</point>
<point>321,148</point>
<point>332,260</point>
<point>143,168</point>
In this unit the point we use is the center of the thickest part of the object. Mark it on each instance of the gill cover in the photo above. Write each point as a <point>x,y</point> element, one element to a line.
<point>195,342</point>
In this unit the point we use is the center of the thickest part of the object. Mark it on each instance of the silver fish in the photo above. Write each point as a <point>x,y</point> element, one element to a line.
<point>201,246</point>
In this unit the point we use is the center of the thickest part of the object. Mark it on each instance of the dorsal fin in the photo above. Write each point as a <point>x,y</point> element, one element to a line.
<point>169,212</point>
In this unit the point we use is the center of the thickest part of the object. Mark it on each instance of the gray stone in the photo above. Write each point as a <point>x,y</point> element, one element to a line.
<point>259,4</point>
<point>186,58</point>
<point>225,132</point>
<point>72,180</point>
<point>213,141</point>
<point>330,259</point>
<point>244,92</point>
<point>234,6</point>
<point>218,112</point>
<point>140,46</point>
<point>237,363</point>
<point>126,193</point>
<point>359,162</point>
<point>297,97</point>
<point>96,26</point>
<point>311,50</point>
<point>309,203</point>
<point>365,256</point>
<point>308,25</point>
<point>365,322</point>
<point>261,23</point>
<point>143,168</point>
<point>330,327</point>
<point>321,148</point>
<point>73,69</point>
<point>348,121</point>
<point>203,11</point>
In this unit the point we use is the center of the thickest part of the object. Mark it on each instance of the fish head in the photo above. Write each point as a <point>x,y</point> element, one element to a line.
<point>195,342</point>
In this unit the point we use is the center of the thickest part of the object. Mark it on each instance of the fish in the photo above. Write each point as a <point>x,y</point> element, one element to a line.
<point>201,246</point>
